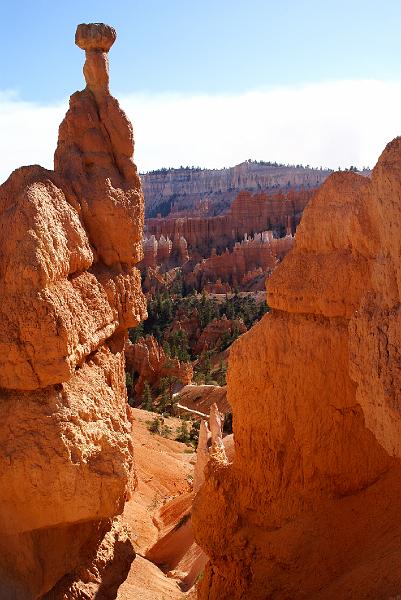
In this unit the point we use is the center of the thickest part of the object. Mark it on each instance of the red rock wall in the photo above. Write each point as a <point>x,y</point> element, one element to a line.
<point>164,251</point>
<point>310,506</point>
<point>215,330</point>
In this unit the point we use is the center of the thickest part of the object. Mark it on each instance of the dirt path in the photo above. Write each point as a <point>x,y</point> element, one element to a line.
<point>156,515</point>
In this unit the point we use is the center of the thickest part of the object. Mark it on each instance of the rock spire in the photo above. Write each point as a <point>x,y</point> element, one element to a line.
<point>69,240</point>
<point>96,39</point>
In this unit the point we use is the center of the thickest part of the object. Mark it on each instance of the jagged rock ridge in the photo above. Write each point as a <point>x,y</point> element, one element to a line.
<point>211,191</point>
<point>68,241</point>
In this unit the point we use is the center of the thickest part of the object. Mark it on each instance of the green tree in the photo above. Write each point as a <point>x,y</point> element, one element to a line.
<point>221,373</point>
<point>155,425</point>
<point>203,369</point>
<point>166,404</point>
<point>158,426</point>
<point>194,433</point>
<point>178,345</point>
<point>182,433</point>
<point>147,399</point>
<point>136,333</point>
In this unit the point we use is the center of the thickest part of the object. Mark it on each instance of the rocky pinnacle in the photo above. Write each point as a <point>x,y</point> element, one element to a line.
<point>96,39</point>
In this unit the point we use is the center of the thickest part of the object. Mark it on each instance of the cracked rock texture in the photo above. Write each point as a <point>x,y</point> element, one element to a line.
<point>309,507</point>
<point>69,240</point>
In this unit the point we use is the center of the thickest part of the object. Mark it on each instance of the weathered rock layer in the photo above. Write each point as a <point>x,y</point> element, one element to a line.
<point>68,292</point>
<point>248,214</point>
<point>309,508</point>
<point>210,191</point>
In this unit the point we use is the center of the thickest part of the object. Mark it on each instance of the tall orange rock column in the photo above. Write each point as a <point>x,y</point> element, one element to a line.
<point>310,506</point>
<point>69,240</point>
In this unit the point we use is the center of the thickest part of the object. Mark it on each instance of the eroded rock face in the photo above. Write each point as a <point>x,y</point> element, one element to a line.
<point>164,251</point>
<point>215,331</point>
<point>68,292</point>
<point>203,192</point>
<point>147,360</point>
<point>253,256</point>
<point>249,213</point>
<point>311,502</point>
<point>210,443</point>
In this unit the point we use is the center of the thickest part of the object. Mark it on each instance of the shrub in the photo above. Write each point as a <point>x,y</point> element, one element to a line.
<point>182,433</point>
<point>157,425</point>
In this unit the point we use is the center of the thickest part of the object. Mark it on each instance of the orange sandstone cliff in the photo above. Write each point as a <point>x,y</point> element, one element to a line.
<point>309,507</point>
<point>68,292</point>
<point>248,214</point>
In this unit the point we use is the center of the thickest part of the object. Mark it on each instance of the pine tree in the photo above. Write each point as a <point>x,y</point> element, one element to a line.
<point>182,433</point>
<point>147,399</point>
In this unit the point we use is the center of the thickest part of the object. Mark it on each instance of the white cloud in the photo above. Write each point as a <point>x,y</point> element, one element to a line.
<point>28,133</point>
<point>329,124</point>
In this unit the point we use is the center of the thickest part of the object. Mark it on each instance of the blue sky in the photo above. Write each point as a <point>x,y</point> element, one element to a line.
<point>211,83</point>
<point>215,46</point>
